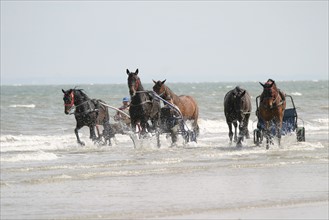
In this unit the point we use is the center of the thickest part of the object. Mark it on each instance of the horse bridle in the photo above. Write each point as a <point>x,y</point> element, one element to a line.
<point>72,100</point>
<point>71,105</point>
<point>274,100</point>
<point>163,93</point>
<point>137,83</point>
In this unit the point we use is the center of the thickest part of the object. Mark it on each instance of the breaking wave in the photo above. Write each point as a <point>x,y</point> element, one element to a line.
<point>22,106</point>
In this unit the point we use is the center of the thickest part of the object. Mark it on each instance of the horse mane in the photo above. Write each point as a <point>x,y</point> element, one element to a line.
<point>81,91</point>
<point>167,89</point>
<point>171,93</point>
<point>140,86</point>
<point>238,90</point>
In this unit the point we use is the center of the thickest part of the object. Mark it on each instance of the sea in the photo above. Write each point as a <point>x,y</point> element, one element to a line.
<point>46,174</point>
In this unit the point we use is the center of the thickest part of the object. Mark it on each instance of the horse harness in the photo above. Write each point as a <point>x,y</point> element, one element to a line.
<point>144,102</point>
<point>89,108</point>
<point>164,93</point>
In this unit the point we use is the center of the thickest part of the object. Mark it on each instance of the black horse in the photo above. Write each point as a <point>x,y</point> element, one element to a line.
<point>237,108</point>
<point>144,109</point>
<point>88,112</point>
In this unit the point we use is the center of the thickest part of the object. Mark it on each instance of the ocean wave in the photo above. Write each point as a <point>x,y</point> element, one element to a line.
<point>28,143</point>
<point>22,106</point>
<point>320,124</point>
<point>322,120</point>
<point>296,94</point>
<point>35,156</point>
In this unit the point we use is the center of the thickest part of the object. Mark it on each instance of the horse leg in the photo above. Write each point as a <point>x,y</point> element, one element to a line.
<point>230,133</point>
<point>98,133</point>
<point>92,132</point>
<point>243,129</point>
<point>241,134</point>
<point>108,132</point>
<point>267,135</point>
<point>173,133</point>
<point>245,122</point>
<point>196,128</point>
<point>76,131</point>
<point>136,127</point>
<point>235,131</point>
<point>278,130</point>
<point>144,126</point>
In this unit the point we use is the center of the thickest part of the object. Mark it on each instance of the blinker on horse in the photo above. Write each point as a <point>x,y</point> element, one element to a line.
<point>186,104</point>
<point>88,112</point>
<point>271,108</point>
<point>237,108</point>
<point>144,109</point>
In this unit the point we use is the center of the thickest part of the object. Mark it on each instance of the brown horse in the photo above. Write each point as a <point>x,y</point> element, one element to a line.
<point>271,108</point>
<point>186,104</point>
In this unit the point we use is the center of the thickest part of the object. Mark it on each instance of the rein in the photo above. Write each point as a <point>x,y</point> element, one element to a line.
<point>172,106</point>
<point>76,106</point>
<point>142,103</point>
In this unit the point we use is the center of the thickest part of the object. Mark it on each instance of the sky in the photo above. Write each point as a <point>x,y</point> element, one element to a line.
<point>76,42</point>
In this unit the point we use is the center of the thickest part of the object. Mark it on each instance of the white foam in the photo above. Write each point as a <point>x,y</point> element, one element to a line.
<point>21,143</point>
<point>322,120</point>
<point>35,156</point>
<point>296,94</point>
<point>165,161</point>
<point>23,106</point>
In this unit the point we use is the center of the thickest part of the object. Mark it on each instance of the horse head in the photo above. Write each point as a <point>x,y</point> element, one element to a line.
<point>134,83</point>
<point>68,100</point>
<point>159,88</point>
<point>238,99</point>
<point>270,93</point>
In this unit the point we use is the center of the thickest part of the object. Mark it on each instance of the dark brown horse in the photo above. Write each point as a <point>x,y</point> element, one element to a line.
<point>186,104</point>
<point>88,112</point>
<point>144,110</point>
<point>237,108</point>
<point>271,108</point>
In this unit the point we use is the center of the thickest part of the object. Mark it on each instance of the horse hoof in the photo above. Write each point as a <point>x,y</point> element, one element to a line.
<point>173,145</point>
<point>81,143</point>
<point>239,145</point>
